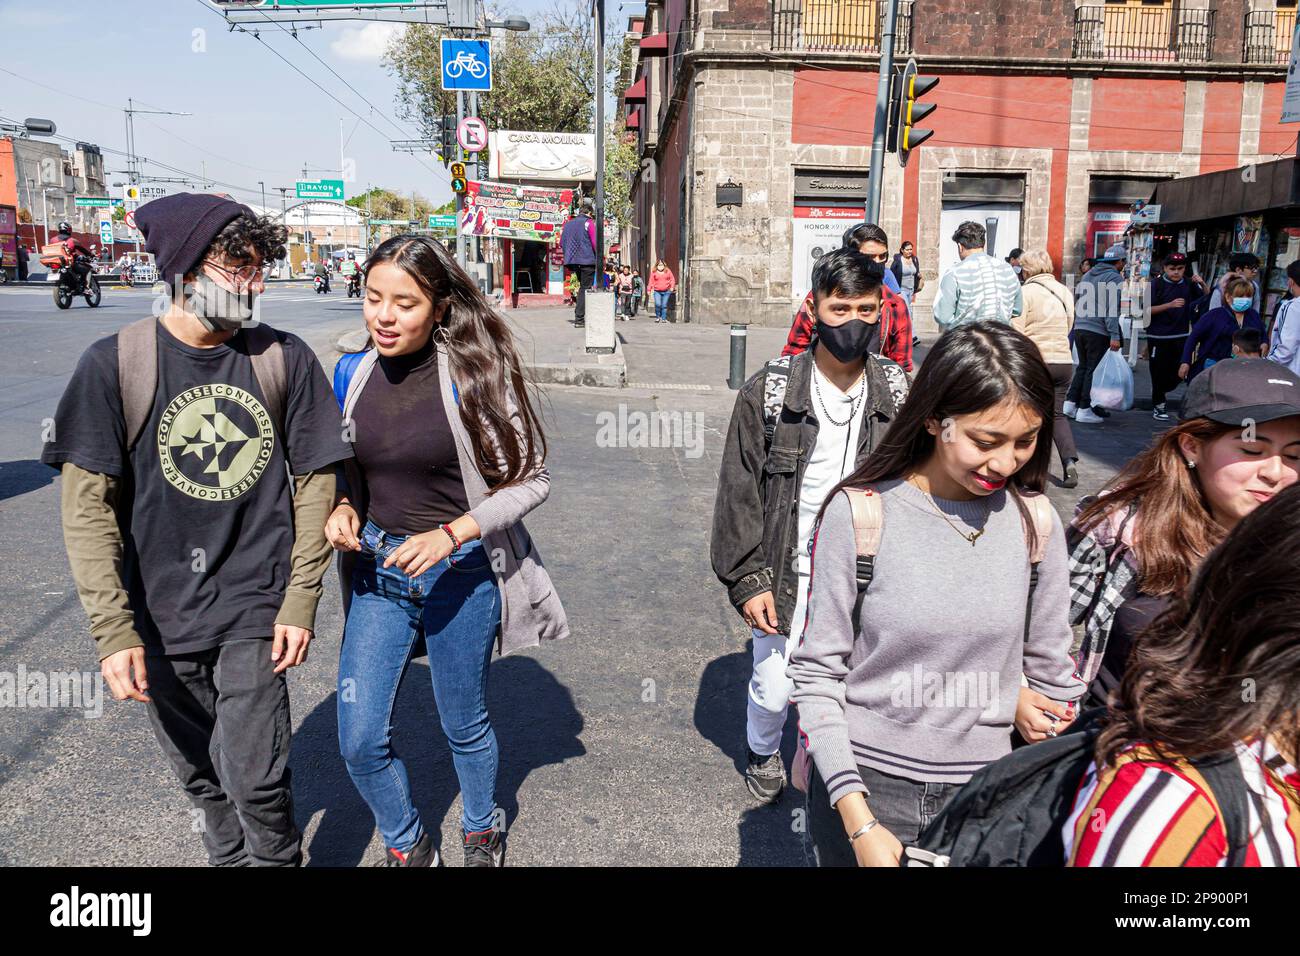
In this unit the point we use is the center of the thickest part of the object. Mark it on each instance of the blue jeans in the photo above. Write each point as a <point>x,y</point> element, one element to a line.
<point>455,606</point>
<point>661,304</point>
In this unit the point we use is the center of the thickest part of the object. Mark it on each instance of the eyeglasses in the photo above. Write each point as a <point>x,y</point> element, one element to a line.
<point>242,276</point>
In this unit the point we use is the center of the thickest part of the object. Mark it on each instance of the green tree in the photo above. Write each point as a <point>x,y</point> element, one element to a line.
<point>386,204</point>
<point>542,79</point>
<point>621,165</point>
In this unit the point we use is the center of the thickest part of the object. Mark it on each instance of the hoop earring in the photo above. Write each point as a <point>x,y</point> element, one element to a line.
<point>441,336</point>
<point>1191,464</point>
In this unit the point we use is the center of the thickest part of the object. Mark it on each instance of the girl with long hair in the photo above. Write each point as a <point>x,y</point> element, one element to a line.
<point>1135,547</point>
<point>1216,679</point>
<point>450,456</point>
<point>908,687</point>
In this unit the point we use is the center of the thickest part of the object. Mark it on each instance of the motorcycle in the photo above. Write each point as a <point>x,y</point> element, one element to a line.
<point>354,285</point>
<point>322,285</point>
<point>70,284</point>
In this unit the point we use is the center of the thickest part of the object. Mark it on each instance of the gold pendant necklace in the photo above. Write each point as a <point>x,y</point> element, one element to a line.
<point>971,536</point>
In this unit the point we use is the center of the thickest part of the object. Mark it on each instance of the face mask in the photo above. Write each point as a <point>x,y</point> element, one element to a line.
<point>221,310</point>
<point>850,341</point>
<point>1241,303</point>
<point>1017,268</point>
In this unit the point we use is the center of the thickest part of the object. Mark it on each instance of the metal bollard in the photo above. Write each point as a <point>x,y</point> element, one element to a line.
<point>739,338</point>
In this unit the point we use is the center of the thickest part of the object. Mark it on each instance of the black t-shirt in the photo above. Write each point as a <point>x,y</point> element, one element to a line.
<point>211,528</point>
<point>405,447</point>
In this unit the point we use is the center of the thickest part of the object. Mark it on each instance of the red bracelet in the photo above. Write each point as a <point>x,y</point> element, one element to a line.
<point>455,541</point>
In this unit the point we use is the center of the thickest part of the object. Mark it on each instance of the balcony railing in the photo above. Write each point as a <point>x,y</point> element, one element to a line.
<point>1268,36</point>
<point>838,26</point>
<point>1115,32</point>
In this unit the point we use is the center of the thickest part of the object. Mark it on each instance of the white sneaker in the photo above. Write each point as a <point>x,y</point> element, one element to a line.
<point>1069,409</point>
<point>1086,416</point>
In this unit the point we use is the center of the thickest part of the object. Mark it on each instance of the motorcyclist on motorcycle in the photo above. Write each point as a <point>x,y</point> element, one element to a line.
<point>348,269</point>
<point>76,255</point>
<point>323,273</point>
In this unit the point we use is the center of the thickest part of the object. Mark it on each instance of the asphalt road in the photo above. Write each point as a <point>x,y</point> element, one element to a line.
<point>622,745</point>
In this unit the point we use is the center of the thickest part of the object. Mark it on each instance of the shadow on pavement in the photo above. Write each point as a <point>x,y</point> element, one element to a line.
<point>536,724</point>
<point>23,475</point>
<point>769,835</point>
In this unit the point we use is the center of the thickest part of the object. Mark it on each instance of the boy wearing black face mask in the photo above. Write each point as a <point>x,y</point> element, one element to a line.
<point>197,558</point>
<point>799,426</point>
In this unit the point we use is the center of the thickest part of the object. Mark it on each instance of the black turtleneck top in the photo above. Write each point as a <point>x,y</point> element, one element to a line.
<point>405,447</point>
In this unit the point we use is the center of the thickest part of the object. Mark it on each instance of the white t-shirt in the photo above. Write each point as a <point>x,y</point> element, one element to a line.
<point>828,462</point>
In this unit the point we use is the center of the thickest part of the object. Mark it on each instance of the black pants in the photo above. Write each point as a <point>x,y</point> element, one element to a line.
<point>222,718</point>
<point>585,276</point>
<point>1164,355</point>
<point>1092,347</point>
<point>1062,436</point>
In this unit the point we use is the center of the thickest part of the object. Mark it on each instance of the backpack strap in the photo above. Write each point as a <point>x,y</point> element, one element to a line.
<point>1223,773</point>
<point>776,376</point>
<point>868,524</point>
<point>267,355</point>
<point>344,370</point>
<point>137,374</point>
<point>1037,514</point>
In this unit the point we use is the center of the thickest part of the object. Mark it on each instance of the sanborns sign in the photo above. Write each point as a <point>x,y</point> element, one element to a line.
<point>514,212</point>
<point>553,157</point>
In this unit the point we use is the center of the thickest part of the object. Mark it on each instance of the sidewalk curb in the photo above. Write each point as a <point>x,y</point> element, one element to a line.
<point>598,371</point>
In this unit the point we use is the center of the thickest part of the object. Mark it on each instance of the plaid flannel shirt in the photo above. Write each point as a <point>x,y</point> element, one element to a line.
<point>895,333</point>
<point>1103,575</point>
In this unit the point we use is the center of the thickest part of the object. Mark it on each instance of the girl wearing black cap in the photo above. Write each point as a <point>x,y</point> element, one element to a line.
<point>1136,545</point>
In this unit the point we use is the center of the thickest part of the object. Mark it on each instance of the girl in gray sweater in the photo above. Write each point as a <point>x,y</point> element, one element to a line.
<point>901,703</point>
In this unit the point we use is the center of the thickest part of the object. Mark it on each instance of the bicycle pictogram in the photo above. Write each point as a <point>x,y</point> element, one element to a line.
<point>466,62</point>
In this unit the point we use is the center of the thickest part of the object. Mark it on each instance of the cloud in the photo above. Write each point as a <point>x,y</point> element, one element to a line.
<point>366,43</point>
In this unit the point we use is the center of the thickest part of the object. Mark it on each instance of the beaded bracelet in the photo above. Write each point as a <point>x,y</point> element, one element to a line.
<point>455,541</point>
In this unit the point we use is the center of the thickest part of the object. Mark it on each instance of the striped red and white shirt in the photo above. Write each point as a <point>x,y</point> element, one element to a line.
<point>1147,811</point>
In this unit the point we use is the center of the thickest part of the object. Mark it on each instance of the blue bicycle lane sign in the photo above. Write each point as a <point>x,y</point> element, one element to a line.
<point>466,65</point>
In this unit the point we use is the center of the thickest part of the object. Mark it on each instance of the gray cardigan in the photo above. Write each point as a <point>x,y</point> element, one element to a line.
<point>531,611</point>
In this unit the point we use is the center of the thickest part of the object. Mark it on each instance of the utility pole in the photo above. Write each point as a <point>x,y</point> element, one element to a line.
<point>462,241</point>
<point>599,10</point>
<point>877,168</point>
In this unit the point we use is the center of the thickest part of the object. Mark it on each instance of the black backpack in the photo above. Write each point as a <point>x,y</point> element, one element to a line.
<point>1012,811</point>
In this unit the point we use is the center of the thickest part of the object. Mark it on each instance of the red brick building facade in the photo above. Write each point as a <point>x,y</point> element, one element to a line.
<point>1052,117</point>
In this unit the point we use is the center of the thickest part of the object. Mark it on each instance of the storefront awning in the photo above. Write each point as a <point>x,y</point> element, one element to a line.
<point>636,92</point>
<point>654,45</point>
<point>633,120</point>
<point>1229,192</point>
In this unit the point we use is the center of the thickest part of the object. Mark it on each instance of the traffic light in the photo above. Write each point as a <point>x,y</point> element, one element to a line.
<point>458,182</point>
<point>447,136</point>
<point>902,135</point>
<point>457,170</point>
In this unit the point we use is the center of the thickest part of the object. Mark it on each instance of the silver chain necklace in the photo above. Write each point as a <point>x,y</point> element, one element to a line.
<point>853,403</point>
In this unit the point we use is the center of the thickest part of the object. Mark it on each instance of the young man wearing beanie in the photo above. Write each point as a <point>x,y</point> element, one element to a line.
<point>198,560</point>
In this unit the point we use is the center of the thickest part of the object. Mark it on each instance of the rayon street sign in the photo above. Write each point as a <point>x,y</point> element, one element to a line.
<point>443,221</point>
<point>466,65</point>
<point>471,133</point>
<point>319,189</point>
<point>101,202</point>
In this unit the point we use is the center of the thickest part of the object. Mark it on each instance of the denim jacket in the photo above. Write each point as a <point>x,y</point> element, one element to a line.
<point>756,514</point>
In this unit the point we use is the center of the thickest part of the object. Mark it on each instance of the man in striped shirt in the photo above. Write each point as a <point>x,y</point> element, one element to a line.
<point>981,288</point>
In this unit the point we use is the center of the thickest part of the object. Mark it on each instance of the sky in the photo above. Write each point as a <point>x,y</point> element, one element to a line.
<point>253,117</point>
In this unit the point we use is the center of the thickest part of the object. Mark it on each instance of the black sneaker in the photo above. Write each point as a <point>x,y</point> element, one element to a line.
<point>1101,412</point>
<point>1071,479</point>
<point>1160,413</point>
<point>422,854</point>
<point>765,776</point>
<point>485,848</point>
